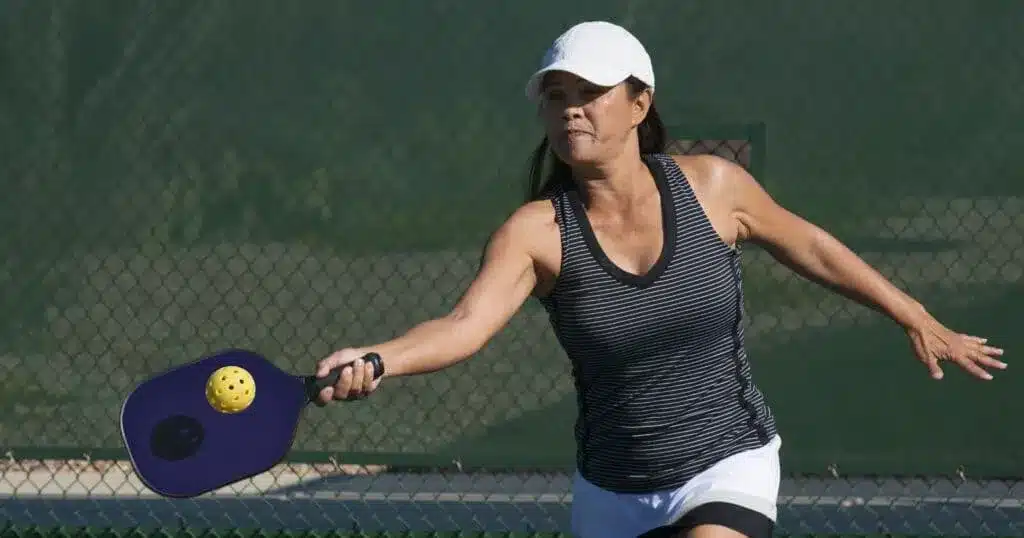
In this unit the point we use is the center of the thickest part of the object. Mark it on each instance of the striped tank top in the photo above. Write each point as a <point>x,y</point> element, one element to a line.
<point>664,389</point>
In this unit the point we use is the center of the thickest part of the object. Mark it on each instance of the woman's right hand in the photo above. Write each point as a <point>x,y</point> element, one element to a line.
<point>355,382</point>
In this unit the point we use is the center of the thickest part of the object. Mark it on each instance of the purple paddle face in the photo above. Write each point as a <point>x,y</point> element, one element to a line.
<point>181,446</point>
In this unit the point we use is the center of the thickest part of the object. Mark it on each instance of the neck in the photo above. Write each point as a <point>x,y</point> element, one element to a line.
<point>616,181</point>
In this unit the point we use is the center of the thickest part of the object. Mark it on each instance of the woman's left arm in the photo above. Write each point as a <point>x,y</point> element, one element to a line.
<point>818,256</point>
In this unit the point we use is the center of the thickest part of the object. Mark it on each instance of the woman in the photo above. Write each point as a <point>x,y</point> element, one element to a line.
<point>634,254</point>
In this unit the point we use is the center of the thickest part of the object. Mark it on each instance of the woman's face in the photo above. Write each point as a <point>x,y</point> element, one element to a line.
<point>586,123</point>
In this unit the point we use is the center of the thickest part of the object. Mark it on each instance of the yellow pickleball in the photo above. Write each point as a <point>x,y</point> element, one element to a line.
<point>230,389</point>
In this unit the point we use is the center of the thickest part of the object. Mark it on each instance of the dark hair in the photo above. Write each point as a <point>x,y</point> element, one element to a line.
<point>651,132</point>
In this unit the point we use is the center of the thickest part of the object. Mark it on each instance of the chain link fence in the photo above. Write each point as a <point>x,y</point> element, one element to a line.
<point>189,176</point>
<point>368,500</point>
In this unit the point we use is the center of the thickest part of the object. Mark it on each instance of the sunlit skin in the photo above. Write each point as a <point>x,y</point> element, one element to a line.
<point>588,125</point>
<point>594,130</point>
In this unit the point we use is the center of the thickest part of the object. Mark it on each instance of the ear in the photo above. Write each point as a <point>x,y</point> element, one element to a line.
<point>641,105</point>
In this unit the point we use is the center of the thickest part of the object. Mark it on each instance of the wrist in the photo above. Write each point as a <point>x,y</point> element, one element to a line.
<point>913,316</point>
<point>388,358</point>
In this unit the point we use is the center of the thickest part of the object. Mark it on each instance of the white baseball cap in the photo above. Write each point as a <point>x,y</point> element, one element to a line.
<point>597,51</point>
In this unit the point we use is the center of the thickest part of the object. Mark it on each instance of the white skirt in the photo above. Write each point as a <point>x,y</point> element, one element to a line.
<point>749,479</point>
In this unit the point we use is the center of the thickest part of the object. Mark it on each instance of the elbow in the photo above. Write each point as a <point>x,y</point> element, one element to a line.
<point>465,335</point>
<point>833,262</point>
<point>825,250</point>
<point>831,253</point>
<point>815,255</point>
<point>473,347</point>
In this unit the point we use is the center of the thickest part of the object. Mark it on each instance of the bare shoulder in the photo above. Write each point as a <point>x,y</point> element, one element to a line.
<point>531,230</point>
<point>527,223</point>
<point>724,190</point>
<point>735,198</point>
<point>714,178</point>
<point>536,213</point>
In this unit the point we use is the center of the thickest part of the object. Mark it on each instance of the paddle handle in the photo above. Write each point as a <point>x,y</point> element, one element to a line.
<point>332,377</point>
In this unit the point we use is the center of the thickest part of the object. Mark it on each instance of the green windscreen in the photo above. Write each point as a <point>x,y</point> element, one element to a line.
<point>186,176</point>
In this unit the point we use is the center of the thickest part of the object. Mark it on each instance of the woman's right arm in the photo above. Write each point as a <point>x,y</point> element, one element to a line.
<point>505,280</point>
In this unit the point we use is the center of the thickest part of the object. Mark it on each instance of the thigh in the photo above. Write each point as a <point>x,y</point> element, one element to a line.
<point>717,520</point>
<point>703,531</point>
<point>718,531</point>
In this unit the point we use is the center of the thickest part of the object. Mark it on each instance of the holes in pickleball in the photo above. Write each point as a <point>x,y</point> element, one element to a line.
<point>176,438</point>
<point>230,389</point>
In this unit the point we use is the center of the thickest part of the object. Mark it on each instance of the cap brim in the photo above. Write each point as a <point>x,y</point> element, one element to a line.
<point>595,74</point>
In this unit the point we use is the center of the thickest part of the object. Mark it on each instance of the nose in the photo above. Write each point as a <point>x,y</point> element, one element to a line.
<point>572,112</point>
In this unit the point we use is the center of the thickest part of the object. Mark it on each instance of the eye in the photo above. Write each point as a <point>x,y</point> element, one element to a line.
<point>554,94</point>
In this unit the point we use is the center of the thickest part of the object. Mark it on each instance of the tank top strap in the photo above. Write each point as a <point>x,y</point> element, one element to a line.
<point>575,258</point>
<point>696,236</point>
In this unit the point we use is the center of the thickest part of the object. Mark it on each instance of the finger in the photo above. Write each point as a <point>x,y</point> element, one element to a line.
<point>985,360</point>
<point>975,339</point>
<point>326,365</point>
<point>992,351</point>
<point>325,396</point>
<point>357,377</point>
<point>933,369</point>
<point>975,370</point>
<point>368,380</point>
<point>323,367</point>
<point>343,387</point>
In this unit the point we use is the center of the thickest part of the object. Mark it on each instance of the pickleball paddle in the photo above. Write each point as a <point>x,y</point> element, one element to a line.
<point>218,420</point>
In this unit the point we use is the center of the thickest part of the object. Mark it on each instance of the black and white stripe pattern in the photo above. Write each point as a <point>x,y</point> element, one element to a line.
<point>664,387</point>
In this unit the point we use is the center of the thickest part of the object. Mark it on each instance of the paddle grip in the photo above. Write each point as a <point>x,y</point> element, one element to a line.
<point>332,377</point>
